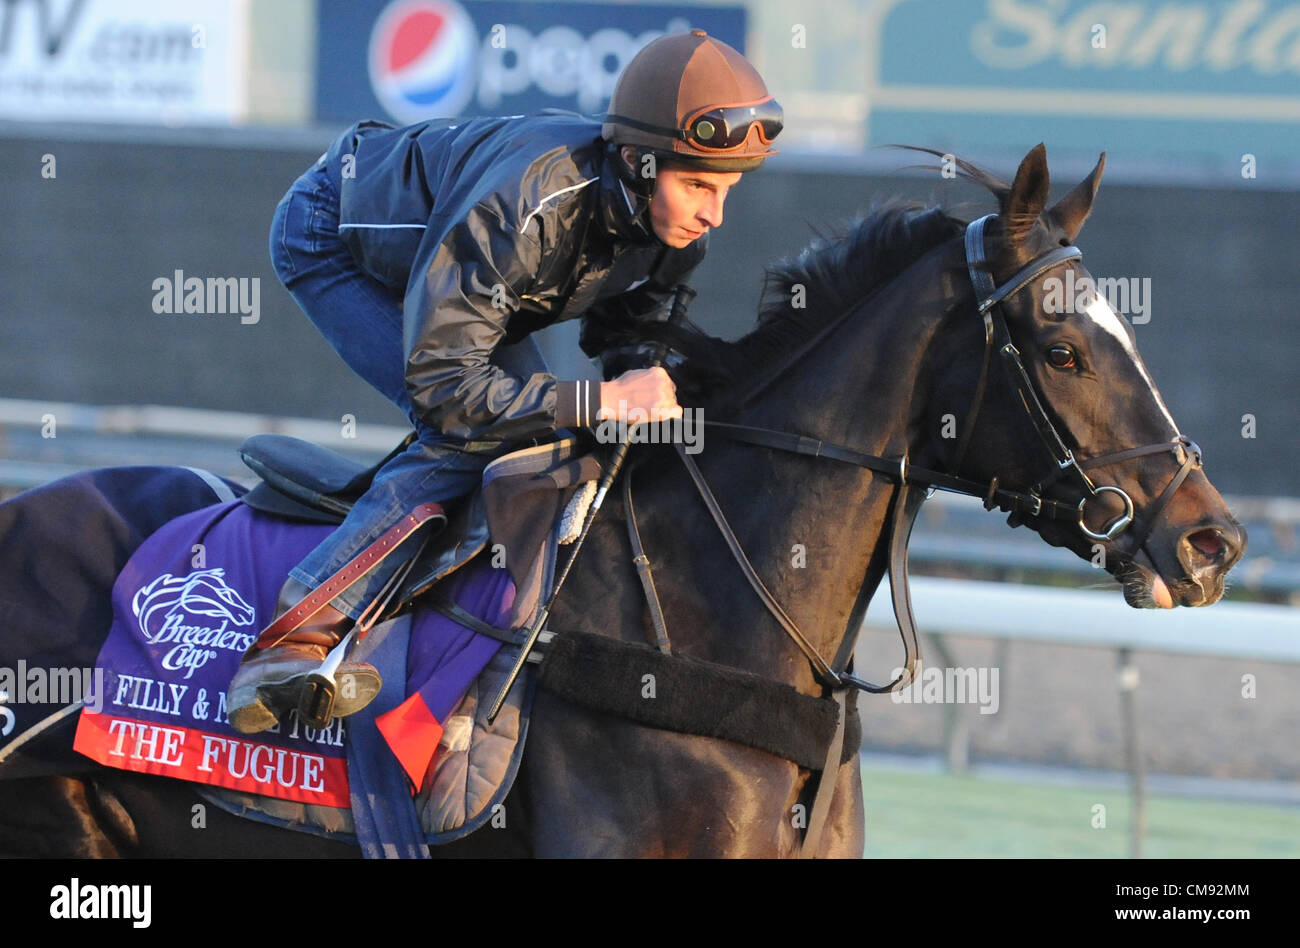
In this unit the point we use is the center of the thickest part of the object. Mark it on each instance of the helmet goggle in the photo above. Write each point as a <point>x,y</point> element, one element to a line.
<point>728,126</point>
<point>719,128</point>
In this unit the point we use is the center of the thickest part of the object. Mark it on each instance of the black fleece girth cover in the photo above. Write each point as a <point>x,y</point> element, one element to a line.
<point>696,697</point>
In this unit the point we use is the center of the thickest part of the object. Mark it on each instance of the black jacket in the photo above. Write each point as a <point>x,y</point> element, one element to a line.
<point>493,228</point>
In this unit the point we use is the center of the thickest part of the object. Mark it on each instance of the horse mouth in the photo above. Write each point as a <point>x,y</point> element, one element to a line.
<point>1144,588</point>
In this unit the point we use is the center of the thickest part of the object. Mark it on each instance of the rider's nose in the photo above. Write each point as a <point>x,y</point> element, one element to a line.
<point>711,212</point>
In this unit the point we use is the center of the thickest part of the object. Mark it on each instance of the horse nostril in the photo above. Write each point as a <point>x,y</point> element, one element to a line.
<point>1210,543</point>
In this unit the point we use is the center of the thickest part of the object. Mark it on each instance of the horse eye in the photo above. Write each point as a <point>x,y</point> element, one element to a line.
<point>1061,356</point>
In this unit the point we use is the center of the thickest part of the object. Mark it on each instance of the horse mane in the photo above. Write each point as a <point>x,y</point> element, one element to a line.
<point>804,292</point>
<point>838,271</point>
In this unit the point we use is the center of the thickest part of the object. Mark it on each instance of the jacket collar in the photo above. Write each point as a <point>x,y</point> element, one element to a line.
<point>625,214</point>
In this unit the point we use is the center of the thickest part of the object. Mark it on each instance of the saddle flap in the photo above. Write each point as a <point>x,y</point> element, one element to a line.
<point>526,492</point>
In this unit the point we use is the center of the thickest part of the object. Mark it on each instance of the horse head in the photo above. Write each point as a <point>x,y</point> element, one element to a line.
<point>1143,501</point>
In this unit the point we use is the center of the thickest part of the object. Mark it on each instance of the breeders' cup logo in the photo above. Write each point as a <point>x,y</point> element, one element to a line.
<point>198,613</point>
<point>423,59</point>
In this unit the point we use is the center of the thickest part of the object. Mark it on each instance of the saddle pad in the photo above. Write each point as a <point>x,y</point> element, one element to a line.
<point>185,608</point>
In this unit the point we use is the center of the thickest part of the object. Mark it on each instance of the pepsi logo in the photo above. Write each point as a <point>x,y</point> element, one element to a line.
<point>423,59</point>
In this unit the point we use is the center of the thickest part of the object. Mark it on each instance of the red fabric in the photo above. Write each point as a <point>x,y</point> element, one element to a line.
<point>412,733</point>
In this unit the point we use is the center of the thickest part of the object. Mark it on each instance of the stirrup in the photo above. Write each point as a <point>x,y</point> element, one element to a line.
<point>316,700</point>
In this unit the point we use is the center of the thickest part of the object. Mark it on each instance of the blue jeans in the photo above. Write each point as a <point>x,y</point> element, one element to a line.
<point>362,319</point>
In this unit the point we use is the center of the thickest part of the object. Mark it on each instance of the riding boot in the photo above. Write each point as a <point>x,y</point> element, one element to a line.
<point>270,682</point>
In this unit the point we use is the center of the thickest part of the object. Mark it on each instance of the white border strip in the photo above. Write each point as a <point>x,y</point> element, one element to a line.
<point>223,492</point>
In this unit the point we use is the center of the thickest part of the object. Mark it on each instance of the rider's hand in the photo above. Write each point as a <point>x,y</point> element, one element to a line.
<point>650,390</point>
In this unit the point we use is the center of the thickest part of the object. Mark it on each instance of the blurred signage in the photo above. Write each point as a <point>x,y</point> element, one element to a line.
<point>408,60</point>
<point>143,61</point>
<point>1192,78</point>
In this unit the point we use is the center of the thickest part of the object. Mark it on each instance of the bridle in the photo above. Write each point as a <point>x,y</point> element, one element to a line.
<point>996,335</point>
<point>1032,503</point>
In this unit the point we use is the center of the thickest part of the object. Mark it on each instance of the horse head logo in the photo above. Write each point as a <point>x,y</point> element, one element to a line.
<point>201,593</point>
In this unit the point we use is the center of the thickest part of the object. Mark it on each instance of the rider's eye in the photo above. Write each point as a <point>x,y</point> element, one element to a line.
<point>1061,356</point>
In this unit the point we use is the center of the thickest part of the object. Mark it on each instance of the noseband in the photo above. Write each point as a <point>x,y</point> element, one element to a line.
<point>1020,504</point>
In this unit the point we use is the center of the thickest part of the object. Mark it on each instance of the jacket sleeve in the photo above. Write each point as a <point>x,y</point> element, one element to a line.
<point>465,284</point>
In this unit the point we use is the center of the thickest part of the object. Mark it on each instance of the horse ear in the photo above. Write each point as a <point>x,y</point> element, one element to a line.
<point>1072,210</point>
<point>1028,195</point>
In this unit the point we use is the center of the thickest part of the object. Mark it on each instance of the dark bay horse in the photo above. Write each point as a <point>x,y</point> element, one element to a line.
<point>873,341</point>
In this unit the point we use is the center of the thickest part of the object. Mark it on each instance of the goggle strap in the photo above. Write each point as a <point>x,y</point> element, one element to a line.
<point>646,126</point>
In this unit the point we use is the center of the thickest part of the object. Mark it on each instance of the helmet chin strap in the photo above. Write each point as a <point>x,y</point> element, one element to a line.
<point>639,190</point>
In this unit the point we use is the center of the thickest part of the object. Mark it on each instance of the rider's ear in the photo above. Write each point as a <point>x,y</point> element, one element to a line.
<point>1071,211</point>
<point>1022,205</point>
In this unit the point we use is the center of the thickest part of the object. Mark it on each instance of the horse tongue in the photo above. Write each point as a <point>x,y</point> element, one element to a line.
<point>1160,593</point>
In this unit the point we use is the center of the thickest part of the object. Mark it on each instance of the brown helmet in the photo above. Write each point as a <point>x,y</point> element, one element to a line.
<point>695,98</point>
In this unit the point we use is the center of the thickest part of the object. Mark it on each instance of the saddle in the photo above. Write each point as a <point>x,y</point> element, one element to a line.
<point>518,499</point>
<point>306,482</point>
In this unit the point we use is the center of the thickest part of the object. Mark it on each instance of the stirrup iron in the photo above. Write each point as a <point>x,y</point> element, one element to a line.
<point>316,702</point>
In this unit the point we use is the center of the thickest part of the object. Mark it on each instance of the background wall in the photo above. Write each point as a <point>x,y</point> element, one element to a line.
<point>81,250</point>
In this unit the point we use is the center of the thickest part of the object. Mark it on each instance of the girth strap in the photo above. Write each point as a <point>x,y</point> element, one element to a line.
<point>694,696</point>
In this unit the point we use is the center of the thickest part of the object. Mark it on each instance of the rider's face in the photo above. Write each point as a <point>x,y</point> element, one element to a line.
<point>687,203</point>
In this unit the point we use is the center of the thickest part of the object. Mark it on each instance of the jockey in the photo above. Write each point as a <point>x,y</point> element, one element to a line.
<point>426,255</point>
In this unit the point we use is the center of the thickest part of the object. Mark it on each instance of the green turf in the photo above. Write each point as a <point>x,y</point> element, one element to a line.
<point>913,815</point>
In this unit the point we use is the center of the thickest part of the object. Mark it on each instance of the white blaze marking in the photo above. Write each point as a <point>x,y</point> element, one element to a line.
<point>1101,313</point>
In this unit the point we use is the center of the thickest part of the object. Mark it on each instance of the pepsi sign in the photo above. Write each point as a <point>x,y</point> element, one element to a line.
<point>423,59</point>
<point>408,60</point>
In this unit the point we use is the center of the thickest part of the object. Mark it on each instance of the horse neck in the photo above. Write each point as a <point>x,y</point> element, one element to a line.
<point>813,530</point>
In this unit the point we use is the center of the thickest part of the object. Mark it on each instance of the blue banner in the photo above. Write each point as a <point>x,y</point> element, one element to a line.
<point>408,60</point>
